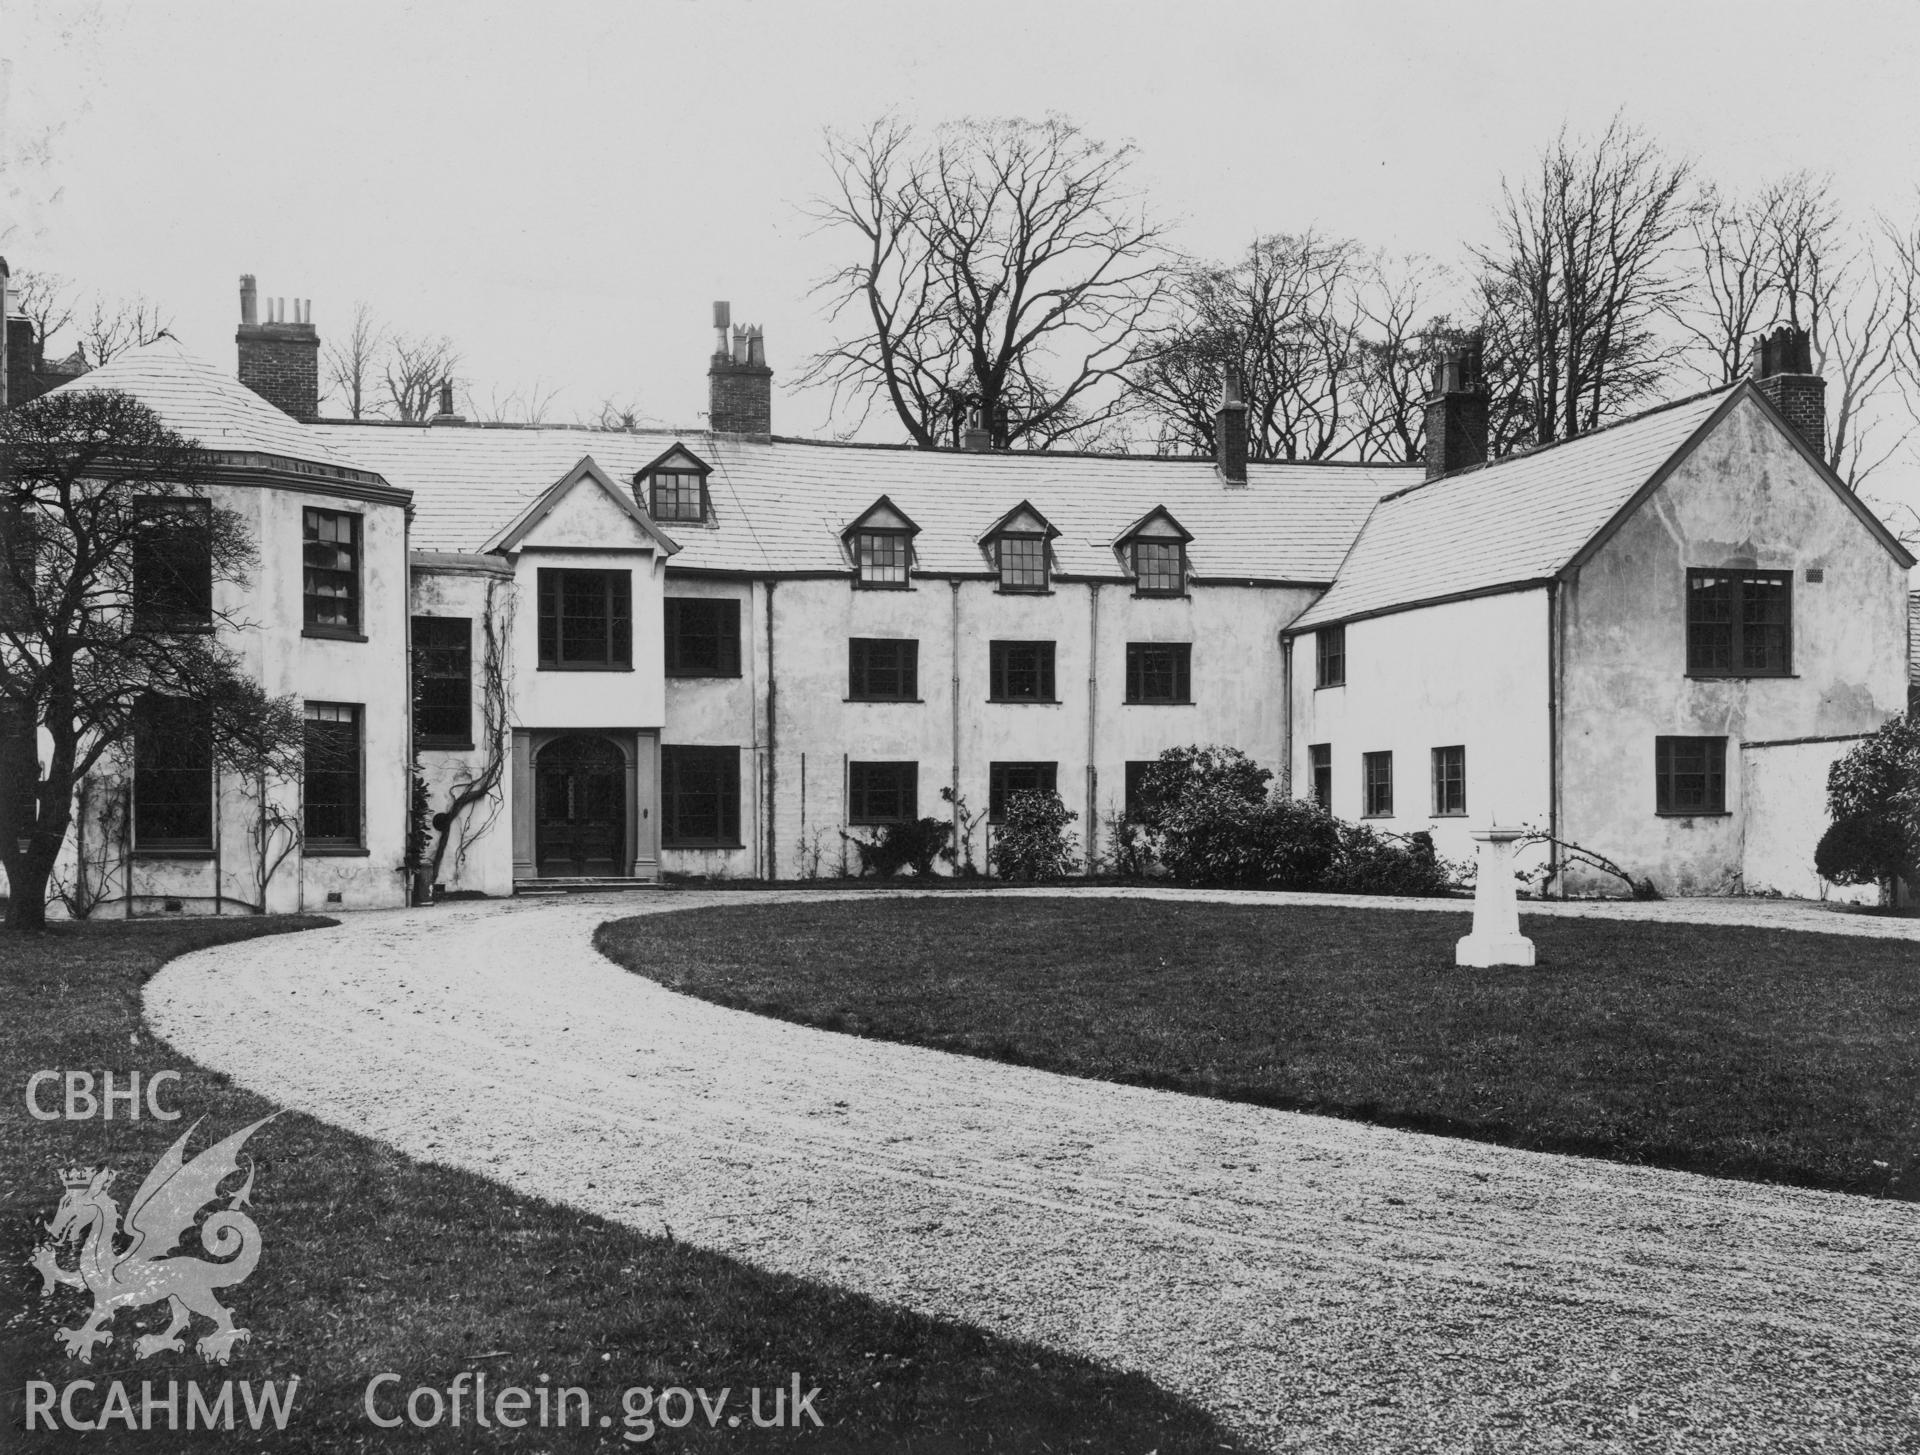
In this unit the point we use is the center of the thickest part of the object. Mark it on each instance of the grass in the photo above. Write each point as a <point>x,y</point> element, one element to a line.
<point>1750,1053</point>
<point>375,1263</point>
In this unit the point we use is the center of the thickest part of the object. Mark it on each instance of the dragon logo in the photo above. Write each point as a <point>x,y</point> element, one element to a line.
<point>147,1269</point>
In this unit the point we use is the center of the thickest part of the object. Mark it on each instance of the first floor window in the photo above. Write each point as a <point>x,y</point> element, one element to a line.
<point>1739,623</point>
<point>883,792</point>
<point>699,798</point>
<point>1021,672</point>
<point>331,785</point>
<point>331,571</point>
<point>586,619</point>
<point>443,681</point>
<point>172,564</point>
<point>1320,764</point>
<point>883,669</point>
<point>1690,775</point>
<point>172,775</point>
<point>1159,672</point>
<point>1006,779</point>
<point>1376,784</point>
<point>1449,781</point>
<point>1330,657</point>
<point>703,637</point>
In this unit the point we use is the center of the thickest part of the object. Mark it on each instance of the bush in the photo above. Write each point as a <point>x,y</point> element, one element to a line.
<point>1213,835</point>
<point>1032,841</point>
<point>1371,862</point>
<point>1864,849</point>
<point>900,846</point>
<point>1873,793</point>
<point>1179,772</point>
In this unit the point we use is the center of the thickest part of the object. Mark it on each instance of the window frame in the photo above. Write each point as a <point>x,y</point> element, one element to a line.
<point>860,672</point>
<point>175,735</point>
<point>675,758</point>
<point>862,560</point>
<point>1181,658</point>
<point>702,505</point>
<point>998,672</point>
<point>1450,774</point>
<point>1320,775</point>
<point>727,643</point>
<point>1737,625</point>
<point>1330,657</point>
<point>422,737</point>
<point>1373,781</point>
<point>149,614</point>
<point>549,583</point>
<point>862,789</point>
<point>1712,772</point>
<point>1037,539</point>
<point>314,844</point>
<point>310,626</point>
<point>1141,576</point>
<point>998,792</point>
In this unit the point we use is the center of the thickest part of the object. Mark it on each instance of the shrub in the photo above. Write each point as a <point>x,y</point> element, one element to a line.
<point>913,845</point>
<point>1371,862</point>
<point>1180,772</point>
<point>1213,835</point>
<point>1864,849</point>
<point>1873,793</point>
<point>1032,841</point>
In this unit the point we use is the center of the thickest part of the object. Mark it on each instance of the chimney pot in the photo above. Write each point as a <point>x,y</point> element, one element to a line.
<point>739,383</point>
<point>1783,372</point>
<point>1230,432</point>
<point>249,300</point>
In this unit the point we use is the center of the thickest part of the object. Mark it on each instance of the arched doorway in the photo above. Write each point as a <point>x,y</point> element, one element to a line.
<point>580,815</point>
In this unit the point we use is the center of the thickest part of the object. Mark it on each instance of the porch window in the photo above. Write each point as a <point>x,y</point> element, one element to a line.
<point>586,620</point>
<point>882,793</point>
<point>1690,775</point>
<point>1020,672</point>
<point>331,572</point>
<point>1449,782</point>
<point>443,681</point>
<point>172,565</point>
<point>1739,623</point>
<point>703,637</point>
<point>1376,784</point>
<point>699,797</point>
<point>1006,779</point>
<point>1160,672</point>
<point>883,669</point>
<point>331,785</point>
<point>172,775</point>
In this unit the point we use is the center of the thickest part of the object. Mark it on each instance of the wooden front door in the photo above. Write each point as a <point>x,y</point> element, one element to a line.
<point>580,809</point>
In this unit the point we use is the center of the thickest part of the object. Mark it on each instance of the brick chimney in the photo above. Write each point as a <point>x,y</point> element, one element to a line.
<point>976,436</point>
<point>1230,433</point>
<point>1783,371</point>
<point>739,383</point>
<point>279,360</point>
<point>1457,412</point>
<point>447,414</point>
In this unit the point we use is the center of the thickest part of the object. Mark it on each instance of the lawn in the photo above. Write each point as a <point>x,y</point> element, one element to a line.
<point>1748,1053</point>
<point>374,1263</point>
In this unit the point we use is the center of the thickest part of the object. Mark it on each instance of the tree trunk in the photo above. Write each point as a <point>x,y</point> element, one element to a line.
<point>27,892</point>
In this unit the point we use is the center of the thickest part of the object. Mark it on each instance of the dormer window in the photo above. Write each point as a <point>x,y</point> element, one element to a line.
<point>674,487</point>
<point>880,544</point>
<point>1017,545</point>
<point>1155,550</point>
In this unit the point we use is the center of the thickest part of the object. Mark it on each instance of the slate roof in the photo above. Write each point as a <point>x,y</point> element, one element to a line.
<point>1518,520</point>
<point>780,506</point>
<point>205,404</point>
<point>1913,636</point>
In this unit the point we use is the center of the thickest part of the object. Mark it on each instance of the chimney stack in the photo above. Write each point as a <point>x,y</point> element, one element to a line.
<point>739,383</point>
<point>1457,412</point>
<point>1230,433</point>
<point>279,361</point>
<point>446,413</point>
<point>976,436</point>
<point>1783,371</point>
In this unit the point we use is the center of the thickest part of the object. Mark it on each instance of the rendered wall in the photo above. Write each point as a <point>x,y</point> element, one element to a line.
<point>1784,795</point>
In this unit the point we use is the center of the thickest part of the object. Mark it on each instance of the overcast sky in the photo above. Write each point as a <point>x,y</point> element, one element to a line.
<point>564,188</point>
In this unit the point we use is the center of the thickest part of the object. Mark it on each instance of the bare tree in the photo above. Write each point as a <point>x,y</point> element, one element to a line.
<point>353,362</point>
<point>1583,272</point>
<point>46,300</point>
<point>416,366</point>
<point>1004,271</point>
<point>618,414</point>
<point>530,405</point>
<point>1734,285</point>
<point>112,326</point>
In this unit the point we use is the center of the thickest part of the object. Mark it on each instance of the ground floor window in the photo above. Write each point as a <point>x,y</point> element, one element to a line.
<point>883,792</point>
<point>1320,764</point>
<point>331,787</point>
<point>1006,779</point>
<point>1376,785</point>
<point>1690,775</point>
<point>699,798</point>
<point>172,775</point>
<point>1449,782</point>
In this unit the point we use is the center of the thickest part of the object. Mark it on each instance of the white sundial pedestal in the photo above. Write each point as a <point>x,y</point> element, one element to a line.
<point>1496,937</point>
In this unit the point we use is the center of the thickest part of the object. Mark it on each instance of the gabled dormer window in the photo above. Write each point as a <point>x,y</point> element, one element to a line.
<point>1017,545</point>
<point>880,544</point>
<point>674,487</point>
<point>1155,551</point>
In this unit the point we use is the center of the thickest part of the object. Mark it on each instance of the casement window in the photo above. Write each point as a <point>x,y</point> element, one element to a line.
<point>1320,765</point>
<point>172,775</point>
<point>1020,672</point>
<point>1376,785</point>
<point>586,620</point>
<point>880,793</point>
<point>1739,623</point>
<point>1449,782</point>
<point>1159,567</point>
<point>1006,779</point>
<point>880,558</point>
<point>1690,775</point>
<point>331,572</point>
<point>699,798</point>
<point>443,681</point>
<point>679,495</point>
<point>883,669</point>
<point>1159,672</point>
<point>1023,561</point>
<point>703,637</point>
<point>1330,657</point>
<point>331,786</point>
<point>172,565</point>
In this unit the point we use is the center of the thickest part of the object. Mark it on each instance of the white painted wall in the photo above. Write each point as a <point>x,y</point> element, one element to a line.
<point>1784,791</point>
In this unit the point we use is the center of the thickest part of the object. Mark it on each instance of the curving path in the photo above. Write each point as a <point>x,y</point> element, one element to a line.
<point>1317,1283</point>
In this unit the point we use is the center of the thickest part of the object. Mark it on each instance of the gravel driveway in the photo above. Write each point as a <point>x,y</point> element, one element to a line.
<point>1317,1283</point>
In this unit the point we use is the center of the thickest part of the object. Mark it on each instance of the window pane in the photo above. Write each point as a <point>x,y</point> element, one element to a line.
<point>703,637</point>
<point>1330,656</point>
<point>1023,562</point>
<point>1157,568</point>
<point>1021,671</point>
<point>1739,622</point>
<point>882,557</point>
<point>443,679</point>
<point>883,792</point>
<point>172,774</point>
<point>1377,784</point>
<point>172,564</point>
<point>700,797</point>
<point>1320,760</point>
<point>1690,775</point>
<point>331,785</point>
<point>331,569</point>
<point>677,496</point>
<point>882,669</point>
<point>1450,780</point>
<point>1159,671</point>
<point>586,618</point>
